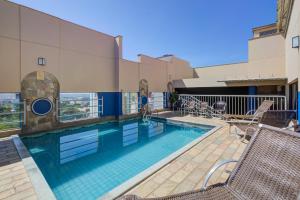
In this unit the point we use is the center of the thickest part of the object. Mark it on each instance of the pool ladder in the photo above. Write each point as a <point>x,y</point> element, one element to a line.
<point>146,116</point>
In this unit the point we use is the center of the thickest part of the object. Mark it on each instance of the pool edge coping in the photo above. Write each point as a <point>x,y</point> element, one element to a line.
<point>132,182</point>
<point>38,181</point>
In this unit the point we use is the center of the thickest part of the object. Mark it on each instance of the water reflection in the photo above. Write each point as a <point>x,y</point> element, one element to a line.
<point>130,134</point>
<point>78,145</point>
<point>155,128</point>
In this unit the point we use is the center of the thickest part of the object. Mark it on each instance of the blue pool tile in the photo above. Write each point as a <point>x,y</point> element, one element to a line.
<point>88,162</point>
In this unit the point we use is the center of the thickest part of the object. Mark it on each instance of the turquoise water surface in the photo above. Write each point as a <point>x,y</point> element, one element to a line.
<point>87,162</point>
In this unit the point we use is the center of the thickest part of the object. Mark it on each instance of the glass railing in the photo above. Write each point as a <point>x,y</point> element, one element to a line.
<point>130,103</point>
<point>131,107</point>
<point>11,114</point>
<point>79,109</point>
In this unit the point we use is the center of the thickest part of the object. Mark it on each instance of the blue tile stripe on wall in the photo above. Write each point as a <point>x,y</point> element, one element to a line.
<point>298,107</point>
<point>112,103</point>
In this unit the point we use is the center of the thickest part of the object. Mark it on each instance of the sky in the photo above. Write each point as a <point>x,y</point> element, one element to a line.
<point>203,32</point>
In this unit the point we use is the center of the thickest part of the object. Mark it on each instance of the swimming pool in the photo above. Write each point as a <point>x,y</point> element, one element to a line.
<point>88,162</point>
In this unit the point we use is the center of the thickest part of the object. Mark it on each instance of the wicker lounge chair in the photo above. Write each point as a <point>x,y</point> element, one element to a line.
<point>284,119</point>
<point>268,169</point>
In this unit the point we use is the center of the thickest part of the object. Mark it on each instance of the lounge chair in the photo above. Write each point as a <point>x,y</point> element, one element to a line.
<point>269,168</point>
<point>218,109</point>
<point>203,109</point>
<point>252,114</point>
<point>284,119</point>
<point>182,105</point>
<point>248,123</point>
<point>191,107</point>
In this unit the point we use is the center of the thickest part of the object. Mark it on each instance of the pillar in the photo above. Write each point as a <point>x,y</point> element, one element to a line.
<point>252,90</point>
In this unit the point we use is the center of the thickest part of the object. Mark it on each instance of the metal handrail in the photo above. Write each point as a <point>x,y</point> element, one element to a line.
<point>208,95</point>
<point>131,103</point>
<point>11,113</point>
<point>65,100</point>
<point>90,114</point>
<point>87,106</point>
<point>12,122</point>
<point>212,171</point>
<point>77,114</point>
<point>239,104</point>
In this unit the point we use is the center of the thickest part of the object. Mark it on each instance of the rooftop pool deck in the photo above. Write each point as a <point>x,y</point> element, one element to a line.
<point>185,172</point>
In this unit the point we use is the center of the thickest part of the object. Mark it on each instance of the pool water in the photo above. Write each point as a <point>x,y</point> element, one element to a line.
<point>87,162</point>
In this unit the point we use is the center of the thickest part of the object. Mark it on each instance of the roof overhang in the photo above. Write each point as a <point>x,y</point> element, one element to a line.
<point>255,79</point>
<point>255,82</point>
<point>274,25</point>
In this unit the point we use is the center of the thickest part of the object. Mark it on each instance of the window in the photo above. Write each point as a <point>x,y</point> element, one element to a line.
<point>77,106</point>
<point>130,103</point>
<point>11,111</point>
<point>293,104</point>
<point>268,32</point>
<point>156,100</point>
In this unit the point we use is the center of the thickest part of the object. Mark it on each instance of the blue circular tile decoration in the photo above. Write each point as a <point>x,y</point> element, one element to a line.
<point>144,100</point>
<point>41,106</point>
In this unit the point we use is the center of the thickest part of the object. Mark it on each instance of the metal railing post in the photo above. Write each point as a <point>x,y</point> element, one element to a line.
<point>24,112</point>
<point>102,107</point>
<point>57,109</point>
<point>238,104</point>
<point>285,103</point>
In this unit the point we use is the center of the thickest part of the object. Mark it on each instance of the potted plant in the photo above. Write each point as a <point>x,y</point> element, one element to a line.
<point>173,98</point>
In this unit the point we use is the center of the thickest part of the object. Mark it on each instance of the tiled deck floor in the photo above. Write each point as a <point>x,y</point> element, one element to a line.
<point>187,172</point>
<point>14,180</point>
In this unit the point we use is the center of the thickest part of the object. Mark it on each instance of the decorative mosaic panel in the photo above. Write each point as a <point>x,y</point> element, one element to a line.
<point>39,84</point>
<point>143,88</point>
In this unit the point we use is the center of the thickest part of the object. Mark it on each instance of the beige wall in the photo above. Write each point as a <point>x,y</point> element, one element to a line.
<point>158,72</point>
<point>155,72</point>
<point>293,55</point>
<point>179,69</point>
<point>129,76</point>
<point>83,60</point>
<point>9,64</point>
<point>9,48</point>
<point>211,76</point>
<point>266,48</point>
